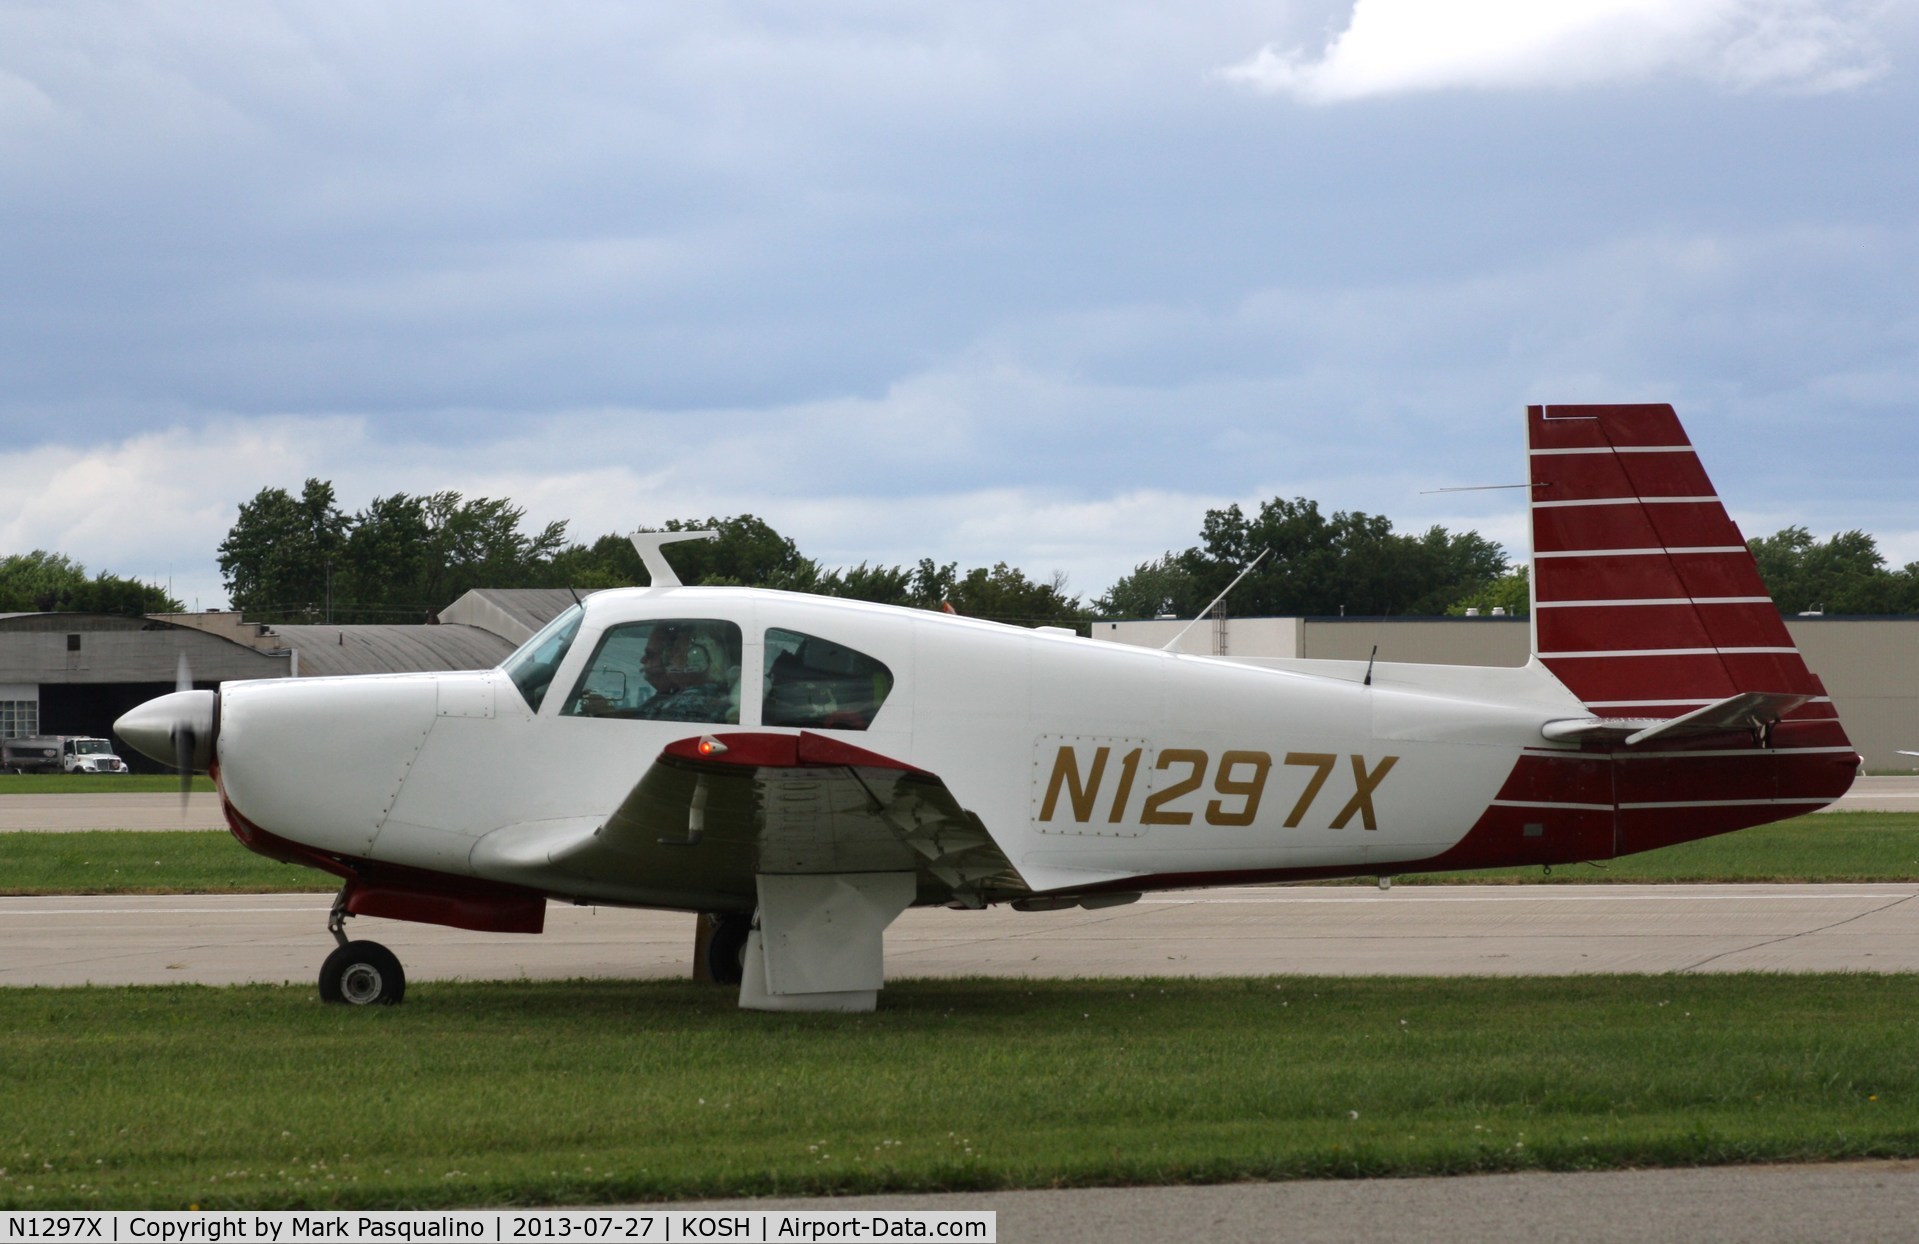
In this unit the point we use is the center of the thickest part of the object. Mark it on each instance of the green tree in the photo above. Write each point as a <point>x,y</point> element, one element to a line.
<point>1845,574</point>
<point>479,543</point>
<point>1344,563</point>
<point>883,585</point>
<point>1511,591</point>
<point>386,556</point>
<point>301,560</point>
<point>278,558</point>
<point>748,553</point>
<point>1165,585</point>
<point>35,582</point>
<point>1003,594</point>
<point>610,561</point>
<point>43,582</point>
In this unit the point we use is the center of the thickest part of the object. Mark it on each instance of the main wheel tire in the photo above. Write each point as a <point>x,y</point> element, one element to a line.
<point>362,974</point>
<point>726,948</point>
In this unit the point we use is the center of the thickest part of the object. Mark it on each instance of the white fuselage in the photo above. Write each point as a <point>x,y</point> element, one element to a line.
<point>1088,763</point>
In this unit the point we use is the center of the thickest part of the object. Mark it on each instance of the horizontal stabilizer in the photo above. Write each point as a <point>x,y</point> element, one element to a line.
<point>1750,710</point>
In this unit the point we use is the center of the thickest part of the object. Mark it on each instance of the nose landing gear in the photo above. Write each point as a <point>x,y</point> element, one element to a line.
<point>358,973</point>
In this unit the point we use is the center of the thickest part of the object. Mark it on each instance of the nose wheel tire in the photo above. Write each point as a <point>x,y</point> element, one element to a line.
<point>362,974</point>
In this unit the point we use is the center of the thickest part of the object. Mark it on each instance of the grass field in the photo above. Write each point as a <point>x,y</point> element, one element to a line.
<point>125,861</point>
<point>1829,846</point>
<point>590,1092</point>
<point>95,783</point>
<point>1835,846</point>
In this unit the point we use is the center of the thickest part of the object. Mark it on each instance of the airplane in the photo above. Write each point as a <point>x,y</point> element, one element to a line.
<point>800,769</point>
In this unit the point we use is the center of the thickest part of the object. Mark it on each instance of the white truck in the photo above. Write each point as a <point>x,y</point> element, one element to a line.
<point>80,754</point>
<point>60,753</point>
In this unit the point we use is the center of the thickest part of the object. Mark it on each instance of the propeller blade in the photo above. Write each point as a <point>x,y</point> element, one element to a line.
<point>184,742</point>
<point>183,736</point>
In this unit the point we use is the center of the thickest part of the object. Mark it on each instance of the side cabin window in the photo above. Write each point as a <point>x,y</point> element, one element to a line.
<point>815,682</point>
<point>675,669</point>
<point>533,664</point>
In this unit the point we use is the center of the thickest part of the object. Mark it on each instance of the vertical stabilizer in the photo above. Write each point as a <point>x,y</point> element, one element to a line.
<point>1647,602</point>
<point>1649,607</point>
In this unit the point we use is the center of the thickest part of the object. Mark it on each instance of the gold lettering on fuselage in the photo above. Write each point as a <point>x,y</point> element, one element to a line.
<point>1322,763</point>
<point>1079,773</point>
<point>1080,793</point>
<point>1364,784</point>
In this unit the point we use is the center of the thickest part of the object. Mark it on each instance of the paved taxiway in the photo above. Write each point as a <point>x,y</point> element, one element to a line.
<point>1842,1201</point>
<point>108,810</point>
<point>1329,930</point>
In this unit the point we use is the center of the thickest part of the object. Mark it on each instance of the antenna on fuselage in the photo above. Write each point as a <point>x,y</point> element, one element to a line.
<point>1174,642</point>
<point>648,543</point>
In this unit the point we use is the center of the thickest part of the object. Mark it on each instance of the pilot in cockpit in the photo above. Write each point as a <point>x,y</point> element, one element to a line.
<point>686,667</point>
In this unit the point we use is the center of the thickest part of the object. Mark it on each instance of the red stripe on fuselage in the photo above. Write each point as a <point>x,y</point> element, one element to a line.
<point>397,892</point>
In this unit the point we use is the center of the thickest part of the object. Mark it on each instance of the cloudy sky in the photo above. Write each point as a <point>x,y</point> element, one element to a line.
<point>1002,279</point>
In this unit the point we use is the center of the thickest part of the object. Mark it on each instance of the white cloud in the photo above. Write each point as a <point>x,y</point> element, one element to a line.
<point>1900,548</point>
<point>155,507</point>
<point>1397,46</point>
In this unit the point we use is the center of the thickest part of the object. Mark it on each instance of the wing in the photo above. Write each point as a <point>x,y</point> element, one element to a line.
<point>712,812</point>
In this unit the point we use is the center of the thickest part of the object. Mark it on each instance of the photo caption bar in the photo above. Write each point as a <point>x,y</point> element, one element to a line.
<point>497,1226</point>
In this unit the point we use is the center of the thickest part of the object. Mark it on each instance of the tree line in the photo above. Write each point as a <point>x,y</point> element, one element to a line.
<point>43,582</point>
<point>400,559</point>
<point>302,558</point>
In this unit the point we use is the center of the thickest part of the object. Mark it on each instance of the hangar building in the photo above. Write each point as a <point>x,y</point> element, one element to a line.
<point>75,673</point>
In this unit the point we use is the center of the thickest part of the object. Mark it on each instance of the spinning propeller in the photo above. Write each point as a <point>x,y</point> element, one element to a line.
<point>178,730</point>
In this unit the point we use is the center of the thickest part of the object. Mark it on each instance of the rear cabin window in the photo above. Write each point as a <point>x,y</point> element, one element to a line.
<point>532,667</point>
<point>815,682</point>
<point>678,669</point>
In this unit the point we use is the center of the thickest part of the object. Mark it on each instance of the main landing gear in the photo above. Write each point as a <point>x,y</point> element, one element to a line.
<point>719,947</point>
<point>358,973</point>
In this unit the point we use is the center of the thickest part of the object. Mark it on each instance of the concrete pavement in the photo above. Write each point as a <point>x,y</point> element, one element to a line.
<point>1318,930</point>
<point>1831,1203</point>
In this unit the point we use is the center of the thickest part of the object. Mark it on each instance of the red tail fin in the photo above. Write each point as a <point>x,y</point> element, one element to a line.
<point>1647,605</point>
<point>1647,602</point>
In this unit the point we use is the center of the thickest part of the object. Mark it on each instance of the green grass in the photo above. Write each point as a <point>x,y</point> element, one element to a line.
<point>1833,846</point>
<point>127,861</point>
<point>1828,846</point>
<point>95,783</point>
<point>490,1094</point>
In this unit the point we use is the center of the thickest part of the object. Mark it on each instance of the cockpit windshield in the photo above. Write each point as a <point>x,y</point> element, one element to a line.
<point>532,667</point>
